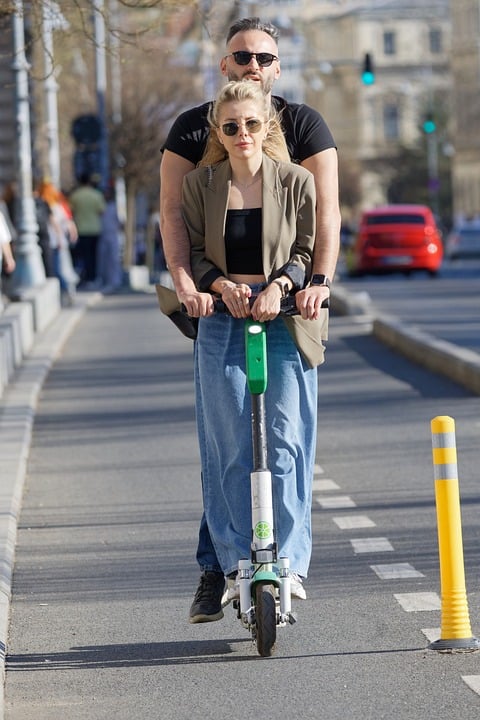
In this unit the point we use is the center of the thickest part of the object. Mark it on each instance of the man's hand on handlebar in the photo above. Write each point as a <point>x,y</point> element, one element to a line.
<point>311,300</point>
<point>197,304</point>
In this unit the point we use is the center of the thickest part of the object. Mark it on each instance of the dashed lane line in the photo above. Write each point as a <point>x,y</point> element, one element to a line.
<point>371,545</point>
<point>335,502</point>
<point>353,522</point>
<point>473,682</point>
<point>418,602</point>
<point>432,634</point>
<point>410,602</point>
<point>324,485</point>
<point>396,571</point>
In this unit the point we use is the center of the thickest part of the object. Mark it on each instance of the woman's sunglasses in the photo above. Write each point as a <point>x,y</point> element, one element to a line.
<point>242,57</point>
<point>231,128</point>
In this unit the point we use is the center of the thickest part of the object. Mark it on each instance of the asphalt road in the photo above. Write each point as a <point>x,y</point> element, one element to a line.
<point>105,567</point>
<point>447,307</point>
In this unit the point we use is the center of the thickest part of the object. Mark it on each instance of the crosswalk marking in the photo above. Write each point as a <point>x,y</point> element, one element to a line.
<point>335,501</point>
<point>418,602</point>
<point>396,571</point>
<point>352,522</point>
<point>366,545</point>
<point>473,682</point>
<point>323,485</point>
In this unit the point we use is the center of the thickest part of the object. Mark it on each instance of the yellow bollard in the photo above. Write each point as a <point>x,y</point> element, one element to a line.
<point>456,633</point>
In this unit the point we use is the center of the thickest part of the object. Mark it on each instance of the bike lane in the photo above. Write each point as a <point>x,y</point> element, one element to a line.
<point>105,566</point>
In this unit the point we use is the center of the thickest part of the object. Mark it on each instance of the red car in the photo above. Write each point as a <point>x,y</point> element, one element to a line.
<point>397,237</point>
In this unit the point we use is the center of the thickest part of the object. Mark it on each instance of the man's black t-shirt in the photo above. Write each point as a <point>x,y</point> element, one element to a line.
<point>306,132</point>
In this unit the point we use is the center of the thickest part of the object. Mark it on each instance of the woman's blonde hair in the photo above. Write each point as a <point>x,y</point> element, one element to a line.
<point>274,144</point>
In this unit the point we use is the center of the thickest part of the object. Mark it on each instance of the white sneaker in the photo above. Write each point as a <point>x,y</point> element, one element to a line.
<point>296,587</point>
<point>232,591</point>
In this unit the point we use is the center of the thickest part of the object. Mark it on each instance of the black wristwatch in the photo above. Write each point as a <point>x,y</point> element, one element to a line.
<point>321,280</point>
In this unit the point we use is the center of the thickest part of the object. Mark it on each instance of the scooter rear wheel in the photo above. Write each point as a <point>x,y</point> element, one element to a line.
<point>266,618</point>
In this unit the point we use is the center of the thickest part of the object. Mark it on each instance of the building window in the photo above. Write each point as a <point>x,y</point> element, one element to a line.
<point>389,43</point>
<point>390,122</point>
<point>435,40</point>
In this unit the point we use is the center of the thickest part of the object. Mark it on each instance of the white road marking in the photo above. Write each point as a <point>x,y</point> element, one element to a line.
<point>323,485</point>
<point>336,501</point>
<point>473,682</point>
<point>432,634</point>
<point>418,602</point>
<point>373,545</point>
<point>318,470</point>
<point>352,522</point>
<point>396,571</point>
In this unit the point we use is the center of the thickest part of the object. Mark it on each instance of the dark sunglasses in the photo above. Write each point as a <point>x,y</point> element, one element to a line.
<point>231,128</point>
<point>242,57</point>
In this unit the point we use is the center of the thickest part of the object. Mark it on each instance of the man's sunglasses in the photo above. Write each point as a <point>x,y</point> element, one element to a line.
<point>231,128</point>
<point>242,57</point>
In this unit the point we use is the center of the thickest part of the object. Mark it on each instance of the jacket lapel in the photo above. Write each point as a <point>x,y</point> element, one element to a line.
<point>216,203</point>
<point>273,215</point>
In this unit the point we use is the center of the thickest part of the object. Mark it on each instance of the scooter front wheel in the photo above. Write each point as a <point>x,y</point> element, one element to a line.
<point>266,618</point>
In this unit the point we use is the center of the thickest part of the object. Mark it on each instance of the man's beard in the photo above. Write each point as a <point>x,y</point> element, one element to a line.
<point>266,83</point>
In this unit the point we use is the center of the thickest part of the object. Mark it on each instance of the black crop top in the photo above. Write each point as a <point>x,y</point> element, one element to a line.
<point>243,241</point>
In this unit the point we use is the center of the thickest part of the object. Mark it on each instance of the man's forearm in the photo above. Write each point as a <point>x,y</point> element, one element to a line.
<point>176,246</point>
<point>326,250</point>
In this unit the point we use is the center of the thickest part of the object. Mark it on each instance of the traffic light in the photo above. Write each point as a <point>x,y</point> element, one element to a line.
<point>429,125</point>
<point>368,72</point>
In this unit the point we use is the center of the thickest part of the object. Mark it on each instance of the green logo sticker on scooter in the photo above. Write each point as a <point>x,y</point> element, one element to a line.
<point>263,530</point>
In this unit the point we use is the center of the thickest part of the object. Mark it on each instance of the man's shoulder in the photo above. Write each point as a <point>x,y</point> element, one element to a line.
<point>294,109</point>
<point>289,171</point>
<point>198,111</point>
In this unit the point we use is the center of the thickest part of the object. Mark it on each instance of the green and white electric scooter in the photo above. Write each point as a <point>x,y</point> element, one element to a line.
<point>264,580</point>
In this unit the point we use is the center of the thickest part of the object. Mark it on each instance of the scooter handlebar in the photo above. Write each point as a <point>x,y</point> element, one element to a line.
<point>288,305</point>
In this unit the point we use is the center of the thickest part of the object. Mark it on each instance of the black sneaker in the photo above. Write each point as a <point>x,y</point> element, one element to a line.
<point>207,603</point>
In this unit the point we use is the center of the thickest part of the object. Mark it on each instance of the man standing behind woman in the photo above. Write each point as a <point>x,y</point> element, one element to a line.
<point>250,216</point>
<point>88,205</point>
<point>252,53</point>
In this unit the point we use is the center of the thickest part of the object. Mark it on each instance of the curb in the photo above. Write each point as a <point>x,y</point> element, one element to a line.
<point>17,414</point>
<point>459,364</point>
<point>440,356</point>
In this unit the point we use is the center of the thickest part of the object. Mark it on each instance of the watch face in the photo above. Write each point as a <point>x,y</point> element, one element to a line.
<point>320,280</point>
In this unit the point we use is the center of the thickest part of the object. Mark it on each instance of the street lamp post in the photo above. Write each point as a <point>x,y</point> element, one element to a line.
<point>29,271</point>
<point>52,19</point>
<point>101,86</point>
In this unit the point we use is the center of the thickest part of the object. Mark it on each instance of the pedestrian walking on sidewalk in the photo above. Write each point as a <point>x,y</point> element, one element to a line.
<point>63,235</point>
<point>88,205</point>
<point>109,270</point>
<point>7,261</point>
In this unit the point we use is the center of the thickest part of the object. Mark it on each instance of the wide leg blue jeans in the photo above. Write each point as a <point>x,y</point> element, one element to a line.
<point>223,410</point>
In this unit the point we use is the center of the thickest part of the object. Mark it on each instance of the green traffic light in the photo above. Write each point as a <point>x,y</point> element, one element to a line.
<point>368,73</point>
<point>429,126</point>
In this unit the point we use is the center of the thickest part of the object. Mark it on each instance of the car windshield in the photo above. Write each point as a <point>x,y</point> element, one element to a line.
<point>391,219</point>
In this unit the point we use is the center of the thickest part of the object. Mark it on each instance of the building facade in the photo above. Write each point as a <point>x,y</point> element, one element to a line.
<point>322,47</point>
